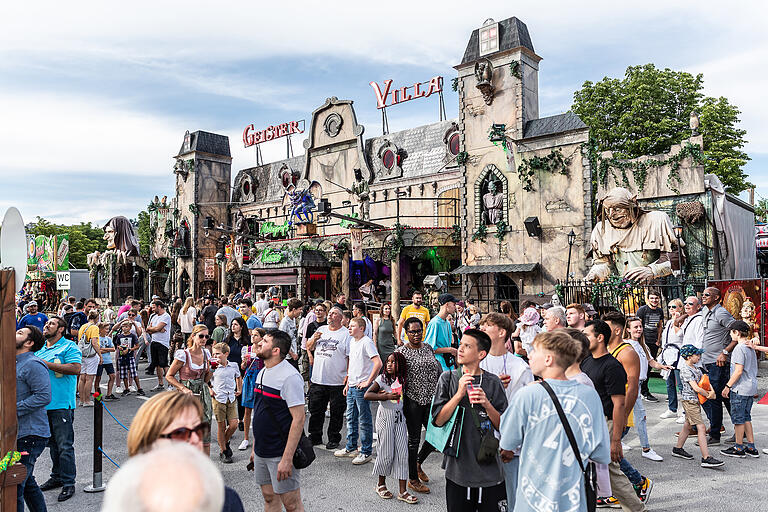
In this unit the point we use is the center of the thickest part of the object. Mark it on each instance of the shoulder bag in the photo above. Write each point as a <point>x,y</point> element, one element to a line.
<point>85,345</point>
<point>446,439</point>
<point>304,454</point>
<point>589,471</point>
<point>488,450</point>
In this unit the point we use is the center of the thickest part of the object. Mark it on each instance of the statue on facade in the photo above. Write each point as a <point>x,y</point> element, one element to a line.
<point>484,77</point>
<point>634,243</point>
<point>362,192</point>
<point>241,227</point>
<point>493,201</point>
<point>301,198</point>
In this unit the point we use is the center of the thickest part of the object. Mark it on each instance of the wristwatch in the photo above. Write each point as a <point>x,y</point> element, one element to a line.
<point>726,352</point>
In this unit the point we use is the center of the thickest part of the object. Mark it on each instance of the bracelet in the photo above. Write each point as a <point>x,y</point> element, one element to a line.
<point>729,387</point>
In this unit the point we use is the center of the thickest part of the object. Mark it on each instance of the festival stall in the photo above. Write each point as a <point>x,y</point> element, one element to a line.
<point>46,256</point>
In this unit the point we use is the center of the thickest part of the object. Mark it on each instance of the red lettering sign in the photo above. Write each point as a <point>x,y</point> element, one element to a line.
<point>251,137</point>
<point>391,97</point>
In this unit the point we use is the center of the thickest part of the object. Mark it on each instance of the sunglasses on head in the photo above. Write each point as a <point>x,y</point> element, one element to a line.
<point>184,433</point>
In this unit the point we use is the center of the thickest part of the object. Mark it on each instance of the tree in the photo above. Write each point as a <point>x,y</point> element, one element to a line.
<point>144,233</point>
<point>83,238</point>
<point>648,111</point>
<point>761,210</point>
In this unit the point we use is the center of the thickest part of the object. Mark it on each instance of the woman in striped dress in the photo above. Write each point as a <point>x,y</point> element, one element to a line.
<point>392,451</point>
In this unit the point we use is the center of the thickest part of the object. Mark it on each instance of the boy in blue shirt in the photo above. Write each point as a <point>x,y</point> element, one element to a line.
<point>741,388</point>
<point>439,334</point>
<point>107,349</point>
<point>532,428</point>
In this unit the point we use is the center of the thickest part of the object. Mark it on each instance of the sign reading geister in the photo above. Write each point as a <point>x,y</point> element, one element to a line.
<point>62,280</point>
<point>251,136</point>
<point>210,268</point>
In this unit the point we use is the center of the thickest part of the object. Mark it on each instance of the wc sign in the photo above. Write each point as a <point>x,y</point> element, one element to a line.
<point>62,280</point>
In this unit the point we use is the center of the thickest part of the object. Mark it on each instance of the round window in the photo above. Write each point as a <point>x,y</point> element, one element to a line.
<point>388,159</point>
<point>453,144</point>
<point>246,188</point>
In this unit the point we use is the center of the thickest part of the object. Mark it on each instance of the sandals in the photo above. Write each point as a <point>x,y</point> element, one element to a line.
<point>408,498</point>
<point>384,493</point>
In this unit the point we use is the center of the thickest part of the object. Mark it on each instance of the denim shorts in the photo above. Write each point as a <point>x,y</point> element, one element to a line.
<point>741,408</point>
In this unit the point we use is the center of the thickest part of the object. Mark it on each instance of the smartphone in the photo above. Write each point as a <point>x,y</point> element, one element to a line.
<point>249,467</point>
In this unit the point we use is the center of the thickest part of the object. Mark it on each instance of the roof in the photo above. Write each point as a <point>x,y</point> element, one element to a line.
<point>490,269</point>
<point>513,34</point>
<point>552,124</point>
<point>207,142</point>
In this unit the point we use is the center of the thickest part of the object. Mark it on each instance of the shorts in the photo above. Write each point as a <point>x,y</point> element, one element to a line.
<point>225,412</point>
<point>105,366</point>
<point>741,408</point>
<point>159,354</point>
<point>89,365</point>
<point>265,471</point>
<point>692,412</point>
<point>127,368</point>
<point>461,499</point>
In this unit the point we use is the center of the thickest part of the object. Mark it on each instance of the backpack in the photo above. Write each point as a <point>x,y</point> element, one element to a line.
<point>85,345</point>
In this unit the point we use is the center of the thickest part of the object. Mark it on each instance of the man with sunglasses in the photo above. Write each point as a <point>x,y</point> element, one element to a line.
<point>717,345</point>
<point>278,422</point>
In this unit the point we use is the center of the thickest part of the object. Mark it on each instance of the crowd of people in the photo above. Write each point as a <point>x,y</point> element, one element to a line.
<point>504,398</point>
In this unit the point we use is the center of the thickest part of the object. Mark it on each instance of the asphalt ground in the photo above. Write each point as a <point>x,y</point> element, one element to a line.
<point>332,484</point>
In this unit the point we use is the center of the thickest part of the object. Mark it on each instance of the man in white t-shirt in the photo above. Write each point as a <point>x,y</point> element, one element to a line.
<point>288,325</point>
<point>513,372</point>
<point>329,374</point>
<point>160,329</point>
<point>262,304</point>
<point>364,366</point>
<point>360,310</point>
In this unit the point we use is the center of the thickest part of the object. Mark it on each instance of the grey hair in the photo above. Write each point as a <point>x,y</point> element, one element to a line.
<point>559,313</point>
<point>173,477</point>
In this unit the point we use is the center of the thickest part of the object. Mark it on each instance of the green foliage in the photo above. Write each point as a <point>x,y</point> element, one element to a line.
<point>498,131</point>
<point>397,243</point>
<point>462,157</point>
<point>649,109</point>
<point>514,69</point>
<point>480,233</point>
<point>194,209</point>
<point>145,234</point>
<point>761,210</point>
<point>455,83</point>
<point>501,230</point>
<point>341,248</point>
<point>84,238</point>
<point>552,162</point>
<point>456,233</point>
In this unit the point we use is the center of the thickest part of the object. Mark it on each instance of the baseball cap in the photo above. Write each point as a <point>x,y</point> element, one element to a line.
<point>32,303</point>
<point>589,308</point>
<point>445,298</point>
<point>739,325</point>
<point>689,350</point>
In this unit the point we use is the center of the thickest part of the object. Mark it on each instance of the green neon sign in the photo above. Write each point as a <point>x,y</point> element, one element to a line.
<point>270,228</point>
<point>271,256</point>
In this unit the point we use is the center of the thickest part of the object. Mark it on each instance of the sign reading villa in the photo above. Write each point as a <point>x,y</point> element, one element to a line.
<point>391,97</point>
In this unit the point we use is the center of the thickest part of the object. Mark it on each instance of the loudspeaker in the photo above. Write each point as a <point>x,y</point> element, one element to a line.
<point>208,223</point>
<point>533,227</point>
<point>323,207</point>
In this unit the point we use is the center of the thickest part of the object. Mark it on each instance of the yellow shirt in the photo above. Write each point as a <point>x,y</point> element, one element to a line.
<point>92,332</point>
<point>421,313</point>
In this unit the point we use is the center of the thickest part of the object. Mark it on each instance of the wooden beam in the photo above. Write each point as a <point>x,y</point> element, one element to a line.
<point>13,475</point>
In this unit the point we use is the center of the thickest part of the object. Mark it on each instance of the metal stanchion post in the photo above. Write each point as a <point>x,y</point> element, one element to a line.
<point>98,424</point>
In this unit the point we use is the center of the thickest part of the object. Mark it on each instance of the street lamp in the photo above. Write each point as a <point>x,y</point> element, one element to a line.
<point>678,235</point>
<point>571,241</point>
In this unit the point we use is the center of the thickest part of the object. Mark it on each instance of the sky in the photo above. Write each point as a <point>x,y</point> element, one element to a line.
<point>95,96</point>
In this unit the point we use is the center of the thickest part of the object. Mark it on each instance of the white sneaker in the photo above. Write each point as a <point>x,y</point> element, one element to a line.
<point>765,451</point>
<point>667,414</point>
<point>345,453</point>
<point>158,388</point>
<point>652,455</point>
<point>625,447</point>
<point>361,459</point>
<point>243,445</point>
<point>680,420</point>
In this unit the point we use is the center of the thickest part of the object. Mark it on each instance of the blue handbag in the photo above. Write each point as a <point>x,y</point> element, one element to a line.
<point>446,438</point>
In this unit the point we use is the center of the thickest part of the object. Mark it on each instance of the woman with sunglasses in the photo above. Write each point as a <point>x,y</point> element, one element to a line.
<point>174,417</point>
<point>423,371</point>
<point>193,367</point>
<point>671,342</point>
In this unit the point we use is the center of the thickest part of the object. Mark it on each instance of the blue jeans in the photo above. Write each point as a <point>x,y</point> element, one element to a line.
<point>673,385</point>
<point>62,445</point>
<point>634,475</point>
<point>718,378</point>
<point>359,409</point>
<point>28,490</point>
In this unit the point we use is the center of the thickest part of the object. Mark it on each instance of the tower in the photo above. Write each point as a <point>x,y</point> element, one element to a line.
<point>203,180</point>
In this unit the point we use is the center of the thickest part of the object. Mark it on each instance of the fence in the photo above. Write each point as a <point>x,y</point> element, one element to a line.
<point>622,295</point>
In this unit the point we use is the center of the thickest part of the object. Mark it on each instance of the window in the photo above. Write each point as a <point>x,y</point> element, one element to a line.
<point>453,144</point>
<point>246,188</point>
<point>489,37</point>
<point>388,159</point>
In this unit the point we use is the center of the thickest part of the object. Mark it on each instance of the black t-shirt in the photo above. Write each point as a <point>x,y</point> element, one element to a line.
<point>209,316</point>
<point>313,326</point>
<point>340,305</point>
<point>609,378</point>
<point>75,322</point>
<point>651,318</point>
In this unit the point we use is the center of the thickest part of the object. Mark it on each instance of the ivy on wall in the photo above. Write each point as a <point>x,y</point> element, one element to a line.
<point>608,167</point>
<point>194,209</point>
<point>455,83</point>
<point>462,157</point>
<point>515,69</point>
<point>456,233</point>
<point>501,230</point>
<point>552,162</point>
<point>396,243</point>
<point>480,233</point>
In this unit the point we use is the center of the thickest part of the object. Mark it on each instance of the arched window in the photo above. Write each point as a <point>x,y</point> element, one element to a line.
<point>491,197</point>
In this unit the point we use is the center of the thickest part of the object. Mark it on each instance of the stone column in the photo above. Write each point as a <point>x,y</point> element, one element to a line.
<point>395,278</point>
<point>345,274</point>
<point>223,283</point>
